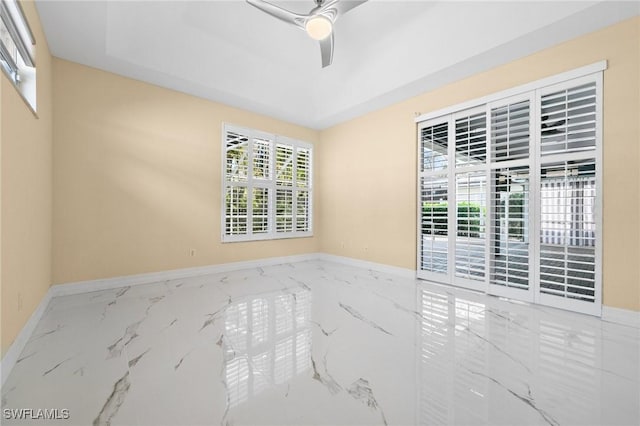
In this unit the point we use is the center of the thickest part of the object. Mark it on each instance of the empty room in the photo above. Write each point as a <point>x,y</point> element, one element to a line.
<point>320,212</point>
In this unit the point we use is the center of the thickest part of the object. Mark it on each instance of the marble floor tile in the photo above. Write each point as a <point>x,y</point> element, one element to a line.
<point>319,343</point>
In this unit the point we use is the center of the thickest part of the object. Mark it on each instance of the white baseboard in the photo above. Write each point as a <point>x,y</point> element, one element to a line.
<point>131,280</point>
<point>379,267</point>
<point>13,353</point>
<point>621,316</point>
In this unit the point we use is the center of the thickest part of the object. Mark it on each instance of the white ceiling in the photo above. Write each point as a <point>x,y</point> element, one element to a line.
<point>385,50</point>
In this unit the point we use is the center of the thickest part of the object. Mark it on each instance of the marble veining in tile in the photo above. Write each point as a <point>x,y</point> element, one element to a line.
<point>321,343</point>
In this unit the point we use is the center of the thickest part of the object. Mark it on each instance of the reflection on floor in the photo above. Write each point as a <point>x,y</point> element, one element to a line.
<point>320,343</point>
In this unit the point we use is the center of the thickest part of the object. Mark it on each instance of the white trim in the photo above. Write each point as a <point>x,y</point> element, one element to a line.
<point>152,277</point>
<point>621,316</point>
<point>365,264</point>
<point>13,353</point>
<point>567,304</point>
<point>538,84</point>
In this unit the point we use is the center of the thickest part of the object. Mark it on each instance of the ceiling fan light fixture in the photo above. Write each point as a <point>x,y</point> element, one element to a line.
<point>318,27</point>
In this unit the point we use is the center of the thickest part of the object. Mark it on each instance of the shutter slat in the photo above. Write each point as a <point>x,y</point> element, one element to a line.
<point>434,224</point>
<point>567,232</point>
<point>509,228</point>
<point>568,120</point>
<point>471,140</point>
<point>470,225</point>
<point>510,131</point>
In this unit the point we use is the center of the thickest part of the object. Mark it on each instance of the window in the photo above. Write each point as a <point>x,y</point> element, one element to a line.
<point>267,186</point>
<point>509,189</point>
<point>17,53</point>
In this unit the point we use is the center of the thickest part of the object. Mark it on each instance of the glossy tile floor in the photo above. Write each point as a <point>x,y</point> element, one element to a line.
<point>321,343</point>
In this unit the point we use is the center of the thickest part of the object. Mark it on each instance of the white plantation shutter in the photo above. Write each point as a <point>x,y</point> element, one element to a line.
<point>267,188</point>
<point>433,198</point>
<point>261,199</point>
<point>303,166</point>
<point>17,50</point>
<point>509,193</point>
<point>260,216</point>
<point>302,210</point>
<point>469,210</point>
<point>470,225</point>
<point>433,147</point>
<point>509,241</point>
<point>510,131</point>
<point>567,231</point>
<point>303,183</point>
<point>237,156</point>
<point>510,227</point>
<point>236,218</point>
<point>284,210</point>
<point>568,263</point>
<point>568,120</point>
<point>471,140</point>
<point>434,224</point>
<point>284,165</point>
<point>236,176</point>
<point>18,35</point>
<point>262,149</point>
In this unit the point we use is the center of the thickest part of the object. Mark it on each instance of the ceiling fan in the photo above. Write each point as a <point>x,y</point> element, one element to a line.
<point>318,23</point>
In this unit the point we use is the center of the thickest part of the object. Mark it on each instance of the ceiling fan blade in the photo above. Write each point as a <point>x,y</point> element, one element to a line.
<point>336,8</point>
<point>326,50</point>
<point>279,13</point>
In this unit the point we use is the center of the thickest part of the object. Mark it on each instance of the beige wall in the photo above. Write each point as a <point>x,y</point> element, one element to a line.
<point>374,217</point>
<point>26,193</point>
<point>137,172</point>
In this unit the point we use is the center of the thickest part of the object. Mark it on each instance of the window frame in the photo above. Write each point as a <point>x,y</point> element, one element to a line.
<point>271,184</point>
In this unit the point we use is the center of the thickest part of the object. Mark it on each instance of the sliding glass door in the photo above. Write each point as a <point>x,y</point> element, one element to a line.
<point>509,196</point>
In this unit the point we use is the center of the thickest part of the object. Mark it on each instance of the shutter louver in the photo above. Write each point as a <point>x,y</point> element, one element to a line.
<point>434,143</point>
<point>568,120</point>
<point>284,210</point>
<point>470,225</point>
<point>471,140</point>
<point>260,214</point>
<point>262,159</point>
<point>434,225</point>
<point>303,164</point>
<point>237,152</point>
<point>303,183</point>
<point>236,210</point>
<point>510,132</point>
<point>16,34</point>
<point>567,232</point>
<point>509,243</point>
<point>434,196</point>
<point>302,215</point>
<point>284,165</point>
